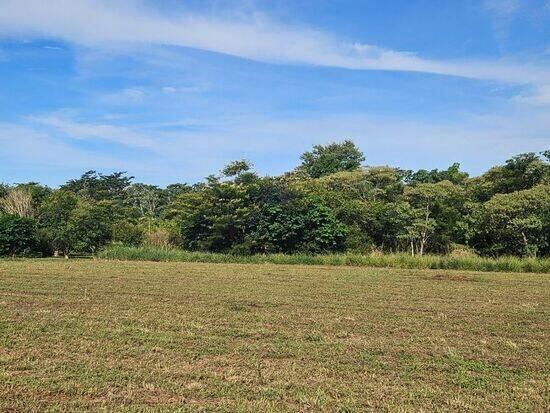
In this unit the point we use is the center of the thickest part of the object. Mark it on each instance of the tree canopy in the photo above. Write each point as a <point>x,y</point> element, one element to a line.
<point>331,158</point>
<point>331,202</point>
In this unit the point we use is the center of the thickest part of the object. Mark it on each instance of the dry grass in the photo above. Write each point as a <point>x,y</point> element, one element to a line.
<point>139,336</point>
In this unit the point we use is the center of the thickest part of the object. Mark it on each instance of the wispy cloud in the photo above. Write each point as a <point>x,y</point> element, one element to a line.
<point>24,148</point>
<point>128,96</point>
<point>273,143</point>
<point>185,89</point>
<point>90,131</point>
<point>102,23</point>
<point>540,97</point>
<point>502,7</point>
<point>503,13</point>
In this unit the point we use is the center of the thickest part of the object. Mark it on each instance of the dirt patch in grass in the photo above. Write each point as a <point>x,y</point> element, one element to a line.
<point>453,277</point>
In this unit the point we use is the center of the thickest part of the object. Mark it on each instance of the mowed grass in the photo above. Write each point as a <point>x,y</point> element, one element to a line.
<point>139,336</point>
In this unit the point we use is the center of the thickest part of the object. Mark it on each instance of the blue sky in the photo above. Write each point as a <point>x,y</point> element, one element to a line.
<point>172,90</point>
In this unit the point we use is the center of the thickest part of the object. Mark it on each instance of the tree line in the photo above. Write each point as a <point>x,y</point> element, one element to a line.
<point>331,202</point>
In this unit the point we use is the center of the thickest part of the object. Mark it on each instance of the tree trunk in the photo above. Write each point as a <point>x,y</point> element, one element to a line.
<point>526,243</point>
<point>424,235</point>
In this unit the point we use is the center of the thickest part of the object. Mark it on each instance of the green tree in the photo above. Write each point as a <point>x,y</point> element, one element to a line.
<point>38,192</point>
<point>4,189</point>
<point>128,233</point>
<point>299,225</point>
<point>54,214</point>
<point>214,218</point>
<point>358,199</point>
<point>90,226</point>
<point>169,195</point>
<point>331,158</point>
<point>97,187</point>
<point>17,235</point>
<point>452,174</point>
<point>517,223</point>
<point>521,172</point>
<point>435,210</point>
<point>236,168</point>
<point>146,199</point>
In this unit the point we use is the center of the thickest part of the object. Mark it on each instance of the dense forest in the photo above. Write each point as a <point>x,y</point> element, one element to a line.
<point>331,202</point>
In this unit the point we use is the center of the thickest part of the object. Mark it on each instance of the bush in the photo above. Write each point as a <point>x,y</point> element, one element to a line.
<point>159,237</point>
<point>160,233</point>
<point>128,234</point>
<point>90,226</point>
<point>303,225</point>
<point>18,235</point>
<point>458,251</point>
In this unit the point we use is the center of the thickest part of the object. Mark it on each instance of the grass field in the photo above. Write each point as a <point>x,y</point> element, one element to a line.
<point>141,336</point>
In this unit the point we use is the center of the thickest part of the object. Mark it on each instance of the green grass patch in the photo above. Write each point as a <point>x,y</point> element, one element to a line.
<point>436,262</point>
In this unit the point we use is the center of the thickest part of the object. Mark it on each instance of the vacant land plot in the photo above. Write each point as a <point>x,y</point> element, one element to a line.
<point>139,336</point>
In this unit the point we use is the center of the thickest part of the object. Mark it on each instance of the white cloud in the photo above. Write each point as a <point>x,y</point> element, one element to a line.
<point>28,149</point>
<point>89,131</point>
<point>192,153</point>
<point>42,145</point>
<point>274,144</point>
<point>540,97</point>
<point>129,96</point>
<point>502,7</point>
<point>56,48</point>
<point>186,89</point>
<point>102,23</point>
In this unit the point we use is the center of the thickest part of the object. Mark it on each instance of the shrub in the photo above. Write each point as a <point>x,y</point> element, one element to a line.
<point>90,226</point>
<point>159,237</point>
<point>458,250</point>
<point>128,234</point>
<point>160,233</point>
<point>17,235</point>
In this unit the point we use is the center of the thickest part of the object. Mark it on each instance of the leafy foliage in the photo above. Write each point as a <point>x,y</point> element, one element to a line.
<point>17,235</point>
<point>332,158</point>
<point>96,186</point>
<point>300,225</point>
<point>329,204</point>
<point>90,226</point>
<point>517,223</point>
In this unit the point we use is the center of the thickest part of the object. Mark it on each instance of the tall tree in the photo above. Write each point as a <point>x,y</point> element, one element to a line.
<point>54,215</point>
<point>523,171</point>
<point>433,207</point>
<point>90,226</point>
<point>517,223</point>
<point>331,158</point>
<point>144,198</point>
<point>452,174</point>
<point>98,187</point>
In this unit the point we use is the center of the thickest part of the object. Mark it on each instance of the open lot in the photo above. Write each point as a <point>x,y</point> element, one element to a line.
<point>141,336</point>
